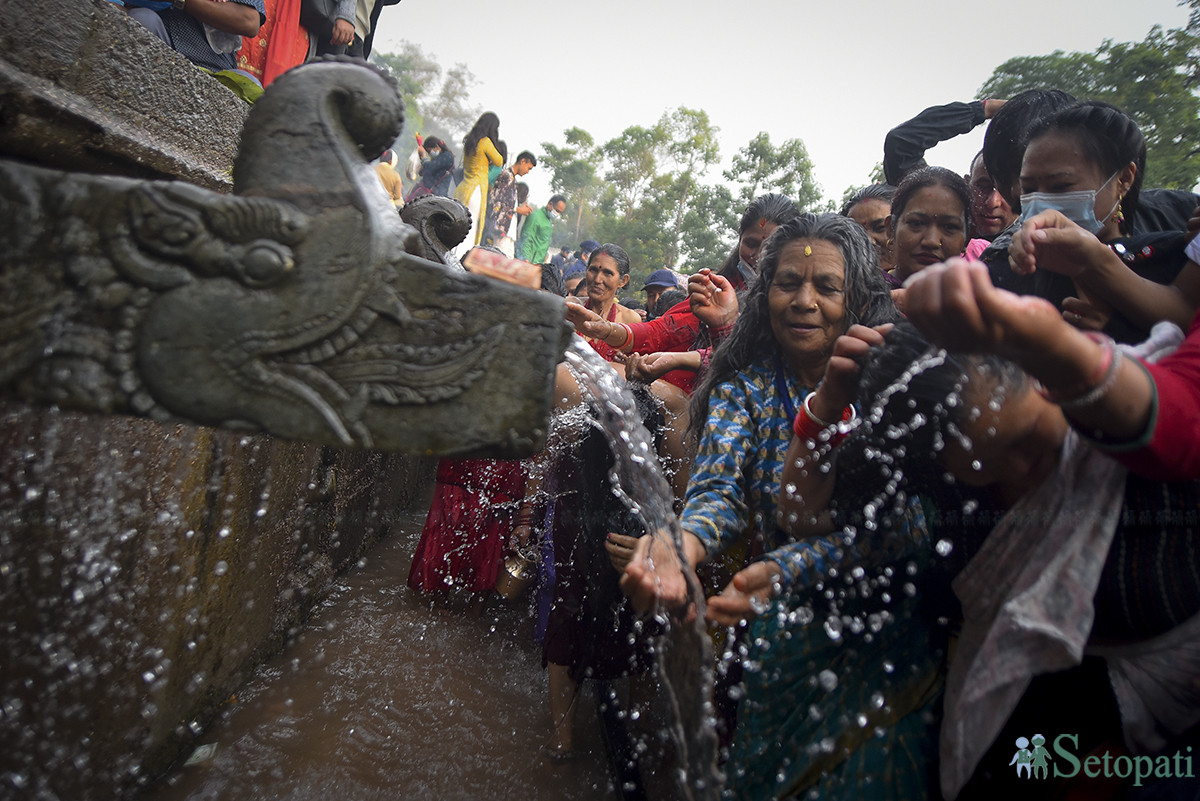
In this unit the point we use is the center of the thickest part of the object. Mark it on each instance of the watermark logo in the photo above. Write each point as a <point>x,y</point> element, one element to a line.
<point>1033,761</point>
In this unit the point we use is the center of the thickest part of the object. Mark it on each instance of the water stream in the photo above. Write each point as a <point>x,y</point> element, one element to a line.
<point>386,694</point>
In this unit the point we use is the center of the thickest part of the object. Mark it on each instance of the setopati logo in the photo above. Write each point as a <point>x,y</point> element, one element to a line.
<point>1034,761</point>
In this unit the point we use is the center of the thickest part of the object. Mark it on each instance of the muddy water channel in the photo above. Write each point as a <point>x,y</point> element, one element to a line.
<point>382,696</point>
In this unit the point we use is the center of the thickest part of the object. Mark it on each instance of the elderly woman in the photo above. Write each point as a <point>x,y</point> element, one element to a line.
<point>819,275</point>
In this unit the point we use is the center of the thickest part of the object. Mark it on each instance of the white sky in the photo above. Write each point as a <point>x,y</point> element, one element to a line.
<point>838,76</point>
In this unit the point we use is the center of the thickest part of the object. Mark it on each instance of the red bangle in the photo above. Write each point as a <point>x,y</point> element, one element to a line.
<point>808,426</point>
<point>628,335</point>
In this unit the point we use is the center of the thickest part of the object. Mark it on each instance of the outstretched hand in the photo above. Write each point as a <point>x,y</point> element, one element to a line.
<point>956,306</point>
<point>1049,241</point>
<point>747,595</point>
<point>587,322</point>
<point>712,298</point>
<point>654,575</point>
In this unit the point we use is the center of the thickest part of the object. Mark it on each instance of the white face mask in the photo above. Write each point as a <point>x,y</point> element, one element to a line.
<point>554,215</point>
<point>1078,207</point>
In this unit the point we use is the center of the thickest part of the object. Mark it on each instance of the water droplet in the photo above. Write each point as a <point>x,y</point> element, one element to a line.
<point>833,628</point>
<point>944,547</point>
<point>220,568</point>
<point>223,532</point>
<point>828,680</point>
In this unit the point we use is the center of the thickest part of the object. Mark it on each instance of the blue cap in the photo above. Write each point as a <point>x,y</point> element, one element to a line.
<point>588,245</point>
<point>662,278</point>
<point>574,270</point>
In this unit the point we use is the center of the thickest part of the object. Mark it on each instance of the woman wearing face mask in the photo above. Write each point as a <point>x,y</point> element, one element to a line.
<point>437,162</point>
<point>1083,166</point>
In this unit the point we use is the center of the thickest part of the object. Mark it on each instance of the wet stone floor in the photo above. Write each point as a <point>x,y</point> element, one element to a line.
<point>382,696</point>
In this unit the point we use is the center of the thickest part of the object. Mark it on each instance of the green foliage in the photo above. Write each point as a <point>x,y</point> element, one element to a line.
<point>760,167</point>
<point>435,100</point>
<point>572,170</point>
<point>1154,81</point>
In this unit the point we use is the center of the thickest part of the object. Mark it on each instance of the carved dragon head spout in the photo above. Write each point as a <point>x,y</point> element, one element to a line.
<point>296,305</point>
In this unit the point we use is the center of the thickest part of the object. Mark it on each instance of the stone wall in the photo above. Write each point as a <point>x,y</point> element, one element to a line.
<point>146,570</point>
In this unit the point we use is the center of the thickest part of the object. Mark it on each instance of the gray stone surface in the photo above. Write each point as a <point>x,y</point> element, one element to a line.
<point>146,569</point>
<point>83,87</point>
<point>290,307</point>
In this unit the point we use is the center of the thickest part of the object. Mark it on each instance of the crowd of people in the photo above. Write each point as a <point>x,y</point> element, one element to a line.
<point>931,458</point>
<point>934,458</point>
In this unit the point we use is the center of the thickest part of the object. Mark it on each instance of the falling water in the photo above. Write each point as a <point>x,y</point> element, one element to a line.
<point>385,695</point>
<point>683,651</point>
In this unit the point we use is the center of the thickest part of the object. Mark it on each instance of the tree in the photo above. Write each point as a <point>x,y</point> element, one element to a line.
<point>633,166</point>
<point>709,228</point>
<point>691,145</point>
<point>573,172</point>
<point>760,167</point>
<point>434,104</point>
<point>1154,81</point>
<point>876,177</point>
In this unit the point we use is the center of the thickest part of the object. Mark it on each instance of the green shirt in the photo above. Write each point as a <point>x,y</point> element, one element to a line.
<point>535,237</point>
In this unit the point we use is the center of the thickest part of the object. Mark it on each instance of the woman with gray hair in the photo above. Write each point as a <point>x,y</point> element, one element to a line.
<point>818,276</point>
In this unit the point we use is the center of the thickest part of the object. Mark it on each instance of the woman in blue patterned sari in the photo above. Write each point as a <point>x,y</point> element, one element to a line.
<point>830,651</point>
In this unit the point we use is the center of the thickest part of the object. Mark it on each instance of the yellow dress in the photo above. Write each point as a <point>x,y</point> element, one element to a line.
<point>475,171</point>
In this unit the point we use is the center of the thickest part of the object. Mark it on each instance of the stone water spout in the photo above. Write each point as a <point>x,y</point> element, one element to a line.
<point>295,306</point>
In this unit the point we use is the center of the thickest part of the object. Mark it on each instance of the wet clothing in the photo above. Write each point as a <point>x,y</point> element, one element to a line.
<point>474,509</point>
<point>793,733</point>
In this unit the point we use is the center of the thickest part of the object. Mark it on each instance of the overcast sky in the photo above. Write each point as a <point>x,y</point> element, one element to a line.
<point>838,76</point>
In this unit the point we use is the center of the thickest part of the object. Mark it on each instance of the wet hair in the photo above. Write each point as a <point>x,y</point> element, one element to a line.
<point>914,399</point>
<point>633,303</point>
<point>502,149</point>
<point>666,300</point>
<point>884,192</point>
<point>487,126</point>
<point>908,376</point>
<point>552,280</point>
<point>554,199</point>
<point>525,155</point>
<point>522,191</point>
<point>865,294</point>
<point>1110,140</point>
<point>615,252</point>
<point>432,142</point>
<point>772,208</point>
<point>924,177</point>
<point>1005,138</point>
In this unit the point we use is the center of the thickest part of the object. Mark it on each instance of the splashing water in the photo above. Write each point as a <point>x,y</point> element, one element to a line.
<point>683,651</point>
